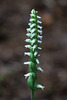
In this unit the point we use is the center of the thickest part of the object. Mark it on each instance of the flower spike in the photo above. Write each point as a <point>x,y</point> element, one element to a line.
<point>34,34</point>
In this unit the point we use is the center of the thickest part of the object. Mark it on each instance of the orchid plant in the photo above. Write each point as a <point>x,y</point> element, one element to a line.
<point>33,39</point>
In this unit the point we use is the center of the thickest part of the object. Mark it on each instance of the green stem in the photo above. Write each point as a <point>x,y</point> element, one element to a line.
<point>32,94</point>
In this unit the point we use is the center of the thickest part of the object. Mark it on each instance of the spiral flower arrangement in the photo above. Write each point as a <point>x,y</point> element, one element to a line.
<point>33,39</point>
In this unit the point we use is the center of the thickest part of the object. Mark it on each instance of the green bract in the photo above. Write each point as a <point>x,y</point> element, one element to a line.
<point>34,33</point>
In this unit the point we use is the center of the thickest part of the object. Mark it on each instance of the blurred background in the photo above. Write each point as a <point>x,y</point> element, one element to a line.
<point>14,19</point>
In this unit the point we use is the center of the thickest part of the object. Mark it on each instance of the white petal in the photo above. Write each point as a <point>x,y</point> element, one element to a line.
<point>27,46</point>
<point>34,47</point>
<point>39,48</point>
<point>28,34</point>
<point>38,54</point>
<point>37,61</point>
<point>27,75</point>
<point>27,53</point>
<point>40,37</point>
<point>40,32</point>
<point>40,86</point>
<point>32,25</point>
<point>35,54</point>
<point>39,22</point>
<point>38,26</point>
<point>32,15</point>
<point>36,11</point>
<point>39,41</point>
<point>38,17</point>
<point>32,19</point>
<point>32,35</point>
<point>33,30</point>
<point>28,29</point>
<point>28,62</point>
<point>39,68</point>
<point>33,41</point>
<point>28,40</point>
<point>29,24</point>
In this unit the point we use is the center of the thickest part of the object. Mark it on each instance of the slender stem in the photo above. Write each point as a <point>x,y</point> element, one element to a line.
<point>32,94</point>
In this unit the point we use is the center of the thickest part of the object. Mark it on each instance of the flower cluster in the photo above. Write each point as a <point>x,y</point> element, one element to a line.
<point>33,39</point>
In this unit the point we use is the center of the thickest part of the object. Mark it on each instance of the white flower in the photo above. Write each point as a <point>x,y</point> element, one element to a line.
<point>33,30</point>
<point>39,36</point>
<point>39,41</point>
<point>28,46</point>
<point>39,22</point>
<point>27,53</point>
<point>28,40</point>
<point>32,15</point>
<point>40,86</point>
<point>38,26</point>
<point>38,17</point>
<point>34,47</point>
<point>40,32</point>
<point>39,68</point>
<point>28,29</point>
<point>32,19</point>
<point>27,75</point>
<point>35,53</point>
<point>39,48</point>
<point>32,35</point>
<point>28,62</point>
<point>28,34</point>
<point>33,41</point>
<point>32,25</point>
<point>37,61</point>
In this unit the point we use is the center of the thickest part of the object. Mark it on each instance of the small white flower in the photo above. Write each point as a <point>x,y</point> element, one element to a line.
<point>38,54</point>
<point>39,48</point>
<point>28,29</point>
<point>32,19</point>
<point>28,40</point>
<point>35,53</point>
<point>40,32</point>
<point>28,34</point>
<point>38,26</point>
<point>40,86</point>
<point>27,75</point>
<point>39,41</point>
<point>39,22</point>
<point>33,30</point>
<point>36,11</point>
<point>27,53</point>
<point>27,63</point>
<point>29,24</point>
<point>33,41</point>
<point>32,35</point>
<point>32,15</point>
<point>28,46</point>
<point>34,47</point>
<point>37,61</point>
<point>39,36</point>
<point>32,25</point>
<point>38,17</point>
<point>33,11</point>
<point>39,68</point>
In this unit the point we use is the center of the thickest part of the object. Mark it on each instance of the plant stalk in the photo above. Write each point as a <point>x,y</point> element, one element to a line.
<point>32,94</point>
